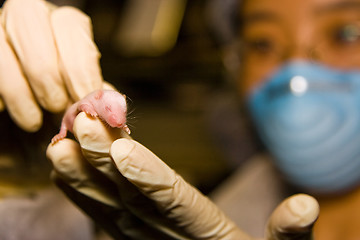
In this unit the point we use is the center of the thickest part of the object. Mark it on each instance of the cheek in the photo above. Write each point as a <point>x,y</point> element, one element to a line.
<point>114,119</point>
<point>111,120</point>
<point>252,75</point>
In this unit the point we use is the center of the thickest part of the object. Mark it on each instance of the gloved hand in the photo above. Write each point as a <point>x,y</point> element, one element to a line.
<point>48,58</point>
<point>132,194</point>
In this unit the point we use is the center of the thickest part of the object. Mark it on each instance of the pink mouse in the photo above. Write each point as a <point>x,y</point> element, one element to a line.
<point>109,105</point>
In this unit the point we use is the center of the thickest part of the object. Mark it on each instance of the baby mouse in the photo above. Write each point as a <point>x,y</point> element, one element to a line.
<point>109,105</point>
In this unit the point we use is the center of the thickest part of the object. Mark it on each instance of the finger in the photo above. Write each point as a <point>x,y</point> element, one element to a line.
<point>108,86</point>
<point>95,139</point>
<point>182,204</point>
<point>70,165</point>
<point>95,193</point>
<point>2,104</point>
<point>293,219</point>
<point>15,91</point>
<point>78,53</point>
<point>94,209</point>
<point>27,25</point>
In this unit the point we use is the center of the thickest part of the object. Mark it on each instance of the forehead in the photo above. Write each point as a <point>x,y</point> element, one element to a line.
<point>293,9</point>
<point>115,98</point>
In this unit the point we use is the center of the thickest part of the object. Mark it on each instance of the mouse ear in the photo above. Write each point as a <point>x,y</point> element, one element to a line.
<point>99,94</point>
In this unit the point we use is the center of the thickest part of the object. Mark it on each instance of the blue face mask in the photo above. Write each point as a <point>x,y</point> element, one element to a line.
<point>308,116</point>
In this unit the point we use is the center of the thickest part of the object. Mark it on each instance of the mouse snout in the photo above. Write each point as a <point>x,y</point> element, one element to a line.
<point>116,121</point>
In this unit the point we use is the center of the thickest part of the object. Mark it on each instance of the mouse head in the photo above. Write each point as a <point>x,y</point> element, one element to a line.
<point>113,108</point>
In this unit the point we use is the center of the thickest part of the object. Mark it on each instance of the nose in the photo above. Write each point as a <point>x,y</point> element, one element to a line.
<point>302,44</point>
<point>120,121</point>
<point>120,124</point>
<point>301,52</point>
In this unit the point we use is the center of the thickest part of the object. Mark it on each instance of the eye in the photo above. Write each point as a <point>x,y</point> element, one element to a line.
<point>108,108</point>
<point>262,47</point>
<point>347,34</point>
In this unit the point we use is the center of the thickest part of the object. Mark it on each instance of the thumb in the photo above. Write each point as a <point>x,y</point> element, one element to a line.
<point>178,201</point>
<point>293,219</point>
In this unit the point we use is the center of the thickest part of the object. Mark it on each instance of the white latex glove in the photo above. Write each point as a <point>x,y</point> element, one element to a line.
<point>47,56</point>
<point>132,194</point>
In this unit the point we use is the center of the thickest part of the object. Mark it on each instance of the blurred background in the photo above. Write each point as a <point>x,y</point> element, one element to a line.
<point>175,61</point>
<point>160,54</point>
<point>165,56</point>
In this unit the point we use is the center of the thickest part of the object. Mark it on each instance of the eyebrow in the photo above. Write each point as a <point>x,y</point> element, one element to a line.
<point>258,16</point>
<point>339,6</point>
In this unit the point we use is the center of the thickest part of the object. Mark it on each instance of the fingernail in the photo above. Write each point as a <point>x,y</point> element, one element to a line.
<point>121,149</point>
<point>305,207</point>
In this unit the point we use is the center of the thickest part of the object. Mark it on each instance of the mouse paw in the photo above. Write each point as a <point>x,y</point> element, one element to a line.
<point>126,129</point>
<point>92,113</point>
<point>88,110</point>
<point>57,138</point>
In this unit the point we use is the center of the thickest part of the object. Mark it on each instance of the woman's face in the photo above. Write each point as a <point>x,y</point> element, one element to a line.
<point>276,31</point>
